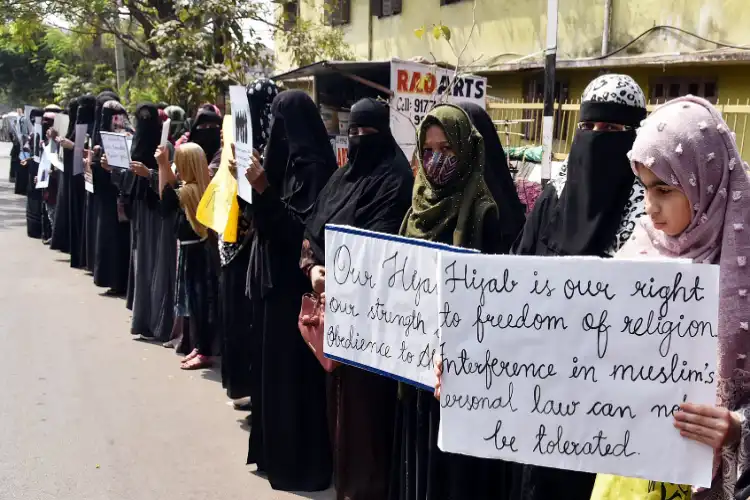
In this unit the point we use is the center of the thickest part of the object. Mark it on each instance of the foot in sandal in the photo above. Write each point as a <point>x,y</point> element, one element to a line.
<point>197,363</point>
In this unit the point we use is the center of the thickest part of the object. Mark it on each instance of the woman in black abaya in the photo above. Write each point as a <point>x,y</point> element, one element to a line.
<point>154,246</point>
<point>112,227</point>
<point>22,178</point>
<point>91,203</point>
<point>498,178</point>
<point>373,191</point>
<point>34,212</point>
<point>591,209</point>
<point>234,306</point>
<point>61,227</point>
<point>85,115</point>
<point>289,438</point>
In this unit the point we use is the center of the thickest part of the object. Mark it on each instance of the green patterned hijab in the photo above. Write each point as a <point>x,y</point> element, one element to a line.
<point>459,212</point>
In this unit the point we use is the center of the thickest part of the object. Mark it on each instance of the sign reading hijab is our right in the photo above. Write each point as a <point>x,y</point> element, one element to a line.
<point>417,88</point>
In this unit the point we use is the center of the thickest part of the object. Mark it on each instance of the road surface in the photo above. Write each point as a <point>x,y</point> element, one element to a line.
<point>86,412</point>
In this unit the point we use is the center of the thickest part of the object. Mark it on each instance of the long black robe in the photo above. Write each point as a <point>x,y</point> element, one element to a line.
<point>84,116</point>
<point>61,227</point>
<point>235,307</point>
<point>22,177</point>
<point>373,191</point>
<point>153,243</point>
<point>289,438</point>
<point>15,163</point>
<point>112,234</point>
<point>33,195</point>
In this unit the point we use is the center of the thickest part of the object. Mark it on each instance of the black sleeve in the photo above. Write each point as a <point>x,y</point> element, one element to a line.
<point>272,217</point>
<point>527,241</point>
<point>170,201</point>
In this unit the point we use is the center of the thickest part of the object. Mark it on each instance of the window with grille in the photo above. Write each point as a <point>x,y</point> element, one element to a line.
<point>290,14</point>
<point>664,89</point>
<point>385,8</point>
<point>338,12</point>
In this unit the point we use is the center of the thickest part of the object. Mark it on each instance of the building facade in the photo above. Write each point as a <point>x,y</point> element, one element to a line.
<point>670,46</point>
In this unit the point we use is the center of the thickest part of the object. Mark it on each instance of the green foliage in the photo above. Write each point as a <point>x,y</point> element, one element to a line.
<point>179,51</point>
<point>309,42</point>
<point>437,31</point>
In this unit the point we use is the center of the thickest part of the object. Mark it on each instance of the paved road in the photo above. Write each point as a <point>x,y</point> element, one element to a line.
<point>86,413</point>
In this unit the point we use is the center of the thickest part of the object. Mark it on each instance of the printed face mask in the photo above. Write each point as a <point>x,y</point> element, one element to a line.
<point>439,168</point>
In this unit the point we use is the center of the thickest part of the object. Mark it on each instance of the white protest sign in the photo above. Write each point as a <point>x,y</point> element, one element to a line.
<point>165,132</point>
<point>61,124</point>
<point>116,148</point>
<point>43,173</point>
<point>382,303</point>
<point>37,139</point>
<point>578,363</point>
<point>243,138</point>
<point>54,151</point>
<point>88,174</point>
<point>27,113</point>
<point>417,87</point>
<point>80,142</point>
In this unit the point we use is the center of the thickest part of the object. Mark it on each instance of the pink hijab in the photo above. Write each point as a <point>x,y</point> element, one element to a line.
<point>686,143</point>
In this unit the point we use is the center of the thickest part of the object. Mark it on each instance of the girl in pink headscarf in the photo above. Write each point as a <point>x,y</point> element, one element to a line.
<point>698,203</point>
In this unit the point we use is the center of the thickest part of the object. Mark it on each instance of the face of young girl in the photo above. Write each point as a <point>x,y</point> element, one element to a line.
<point>667,205</point>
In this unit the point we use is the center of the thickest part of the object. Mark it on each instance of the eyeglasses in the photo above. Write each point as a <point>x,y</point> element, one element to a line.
<point>603,127</point>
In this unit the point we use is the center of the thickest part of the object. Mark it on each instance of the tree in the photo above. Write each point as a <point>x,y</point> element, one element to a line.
<point>181,51</point>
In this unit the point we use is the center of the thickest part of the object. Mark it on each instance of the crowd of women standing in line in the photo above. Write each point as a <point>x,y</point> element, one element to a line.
<point>139,235</point>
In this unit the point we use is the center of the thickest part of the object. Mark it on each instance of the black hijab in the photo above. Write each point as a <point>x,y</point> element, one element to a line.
<point>585,217</point>
<point>73,116</point>
<point>147,135</point>
<point>497,176</point>
<point>209,139</point>
<point>373,191</point>
<point>101,99</point>
<point>298,162</point>
<point>86,113</point>
<point>299,158</point>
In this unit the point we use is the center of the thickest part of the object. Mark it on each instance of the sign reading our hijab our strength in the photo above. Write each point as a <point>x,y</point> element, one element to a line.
<point>243,139</point>
<point>117,149</point>
<point>382,303</point>
<point>577,363</point>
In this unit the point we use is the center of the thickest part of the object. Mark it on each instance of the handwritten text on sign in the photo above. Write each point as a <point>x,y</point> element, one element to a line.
<point>382,303</point>
<point>578,363</point>
<point>116,148</point>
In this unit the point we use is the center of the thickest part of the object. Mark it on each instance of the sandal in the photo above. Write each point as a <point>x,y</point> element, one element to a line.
<point>193,354</point>
<point>197,363</point>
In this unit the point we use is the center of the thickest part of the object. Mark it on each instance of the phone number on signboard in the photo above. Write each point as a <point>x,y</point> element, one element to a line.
<point>415,107</point>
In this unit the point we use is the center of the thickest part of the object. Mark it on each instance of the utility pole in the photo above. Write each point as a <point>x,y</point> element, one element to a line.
<point>119,53</point>
<point>548,120</point>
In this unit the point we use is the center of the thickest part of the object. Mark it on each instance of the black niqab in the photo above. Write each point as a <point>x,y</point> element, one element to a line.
<point>209,139</point>
<point>373,191</point>
<point>585,217</point>
<point>299,159</point>
<point>73,117</point>
<point>86,113</point>
<point>101,100</point>
<point>497,177</point>
<point>147,135</point>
